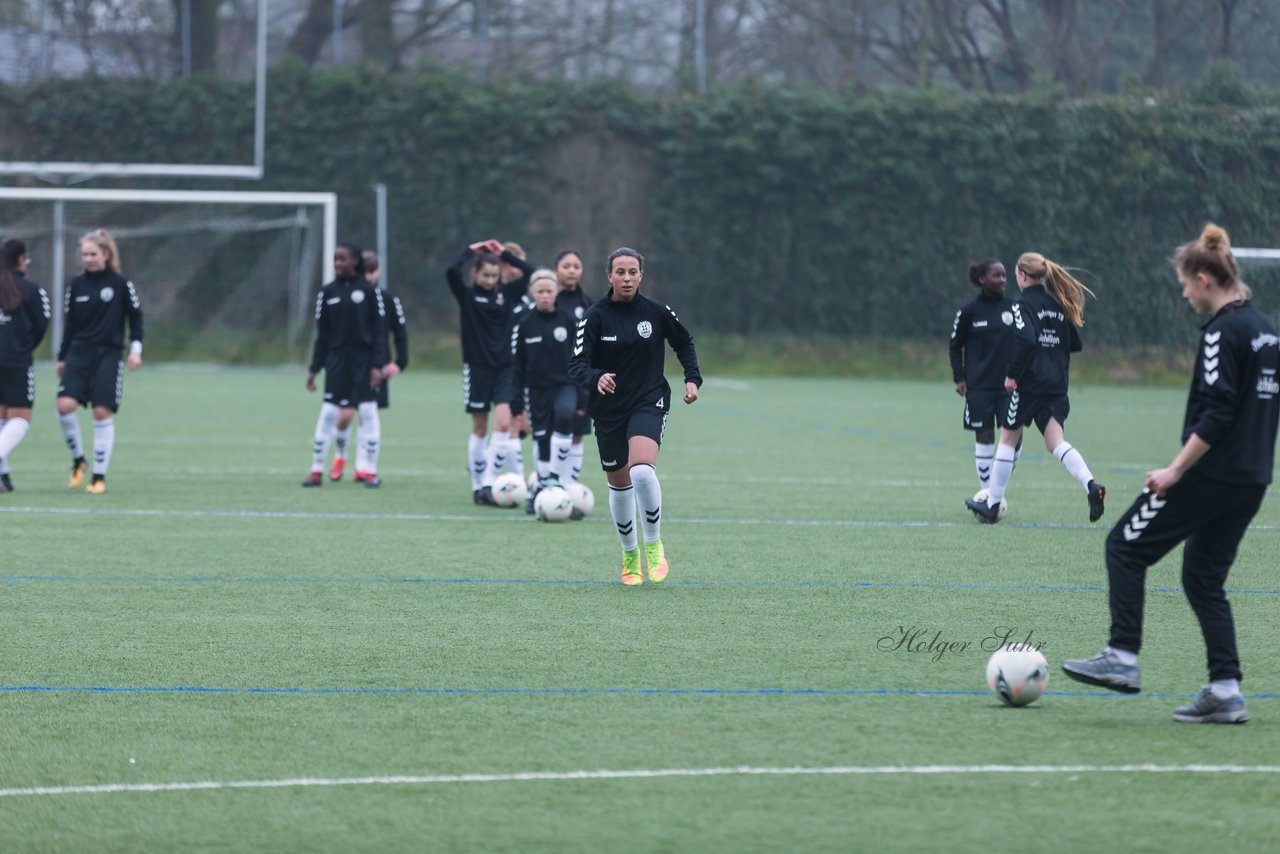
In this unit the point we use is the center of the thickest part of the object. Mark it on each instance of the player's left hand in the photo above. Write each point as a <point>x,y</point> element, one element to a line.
<point>134,361</point>
<point>375,377</point>
<point>608,384</point>
<point>389,370</point>
<point>1010,384</point>
<point>690,392</point>
<point>1162,480</point>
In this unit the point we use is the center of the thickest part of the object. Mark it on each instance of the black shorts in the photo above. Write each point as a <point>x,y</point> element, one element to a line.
<point>384,396</point>
<point>982,408</point>
<point>484,386</point>
<point>93,375</point>
<point>582,424</point>
<point>346,377</point>
<point>17,386</point>
<point>650,421</point>
<point>553,407</point>
<point>1022,409</point>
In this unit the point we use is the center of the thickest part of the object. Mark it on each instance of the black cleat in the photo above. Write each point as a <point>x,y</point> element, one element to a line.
<point>986,514</point>
<point>6,485</point>
<point>1097,492</point>
<point>372,481</point>
<point>314,479</point>
<point>484,497</point>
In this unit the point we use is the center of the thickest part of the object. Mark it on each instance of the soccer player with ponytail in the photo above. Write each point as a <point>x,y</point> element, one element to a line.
<point>1208,494</point>
<point>1045,320</point>
<point>618,357</point>
<point>24,319</point>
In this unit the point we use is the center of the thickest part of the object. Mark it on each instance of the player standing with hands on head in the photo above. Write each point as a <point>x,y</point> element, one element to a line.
<point>24,319</point>
<point>1207,496</point>
<point>99,303</point>
<point>618,357</point>
<point>351,349</point>
<point>981,350</point>
<point>1045,320</point>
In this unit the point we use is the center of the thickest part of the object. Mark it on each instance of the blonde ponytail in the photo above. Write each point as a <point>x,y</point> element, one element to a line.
<point>1066,289</point>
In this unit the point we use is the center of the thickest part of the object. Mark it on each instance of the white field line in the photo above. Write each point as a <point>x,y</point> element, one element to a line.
<point>557,776</point>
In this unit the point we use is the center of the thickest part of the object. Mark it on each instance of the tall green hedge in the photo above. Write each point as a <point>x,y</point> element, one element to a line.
<point>761,211</point>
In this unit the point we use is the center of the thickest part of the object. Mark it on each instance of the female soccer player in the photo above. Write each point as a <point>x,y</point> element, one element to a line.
<point>397,330</point>
<point>541,346</point>
<point>24,319</point>
<point>572,299</point>
<point>617,357</point>
<point>351,349</point>
<point>99,303</point>
<point>1045,320</point>
<point>981,350</point>
<point>1209,493</point>
<point>485,308</point>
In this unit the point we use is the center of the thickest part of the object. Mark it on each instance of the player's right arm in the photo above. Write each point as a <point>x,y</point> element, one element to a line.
<point>454,274</point>
<point>582,372</point>
<point>959,337</point>
<point>320,350</point>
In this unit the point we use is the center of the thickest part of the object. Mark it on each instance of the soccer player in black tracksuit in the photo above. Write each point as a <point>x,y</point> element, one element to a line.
<point>618,356</point>
<point>1044,321</point>
<point>541,345</point>
<point>98,305</point>
<point>981,350</point>
<point>574,300</point>
<point>24,319</point>
<point>485,308</point>
<point>1208,494</point>
<point>351,349</point>
<point>397,330</point>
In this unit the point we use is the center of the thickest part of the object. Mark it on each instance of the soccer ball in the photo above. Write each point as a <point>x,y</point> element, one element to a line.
<point>553,504</point>
<point>583,500</point>
<point>1017,674</point>
<point>982,496</point>
<point>509,490</point>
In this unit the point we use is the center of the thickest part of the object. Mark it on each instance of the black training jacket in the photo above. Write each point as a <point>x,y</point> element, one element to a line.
<point>627,339</point>
<point>1043,343</point>
<point>982,342</point>
<point>541,345</point>
<point>22,332</point>
<point>96,308</point>
<point>1235,396</point>
<point>486,316</point>
<point>350,313</point>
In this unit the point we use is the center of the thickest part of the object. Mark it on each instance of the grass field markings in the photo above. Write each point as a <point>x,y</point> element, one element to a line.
<point>576,582</point>
<point>552,692</point>
<point>630,774</point>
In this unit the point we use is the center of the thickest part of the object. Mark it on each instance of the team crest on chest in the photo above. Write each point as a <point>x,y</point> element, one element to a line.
<point>578,311</point>
<point>560,333</point>
<point>106,294</point>
<point>357,297</point>
<point>645,328</point>
<point>1006,317</point>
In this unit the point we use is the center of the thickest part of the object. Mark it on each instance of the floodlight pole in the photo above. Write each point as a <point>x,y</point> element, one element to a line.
<point>380,200</point>
<point>185,23</point>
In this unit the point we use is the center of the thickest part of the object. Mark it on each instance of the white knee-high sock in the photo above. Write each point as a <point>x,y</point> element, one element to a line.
<point>575,462</point>
<point>1074,461</point>
<point>475,459</point>
<point>1017,455</point>
<point>515,456</point>
<point>983,455</point>
<point>324,434</point>
<point>341,439</point>
<point>649,496</point>
<point>71,432</point>
<point>495,457</point>
<point>11,432</point>
<point>1000,473</point>
<point>104,440</point>
<point>622,507</point>
<point>561,447</point>
<point>370,437</point>
<point>543,468</point>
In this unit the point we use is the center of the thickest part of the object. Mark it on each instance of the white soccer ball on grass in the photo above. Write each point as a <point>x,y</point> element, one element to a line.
<point>1017,674</point>
<point>509,490</point>
<point>584,501</point>
<point>553,504</point>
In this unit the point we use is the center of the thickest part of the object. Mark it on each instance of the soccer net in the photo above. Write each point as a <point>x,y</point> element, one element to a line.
<point>223,276</point>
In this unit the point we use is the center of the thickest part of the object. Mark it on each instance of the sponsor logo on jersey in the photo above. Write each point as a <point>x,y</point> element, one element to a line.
<point>1048,312</point>
<point>4,318</point>
<point>1006,317</point>
<point>1211,348</point>
<point>608,462</point>
<point>1049,339</point>
<point>333,301</point>
<point>608,337</point>
<point>645,328</point>
<point>1267,385</point>
<point>106,294</point>
<point>357,297</point>
<point>979,324</point>
<point>578,311</point>
<point>537,339</point>
<point>560,334</point>
<point>1266,339</point>
<point>82,299</point>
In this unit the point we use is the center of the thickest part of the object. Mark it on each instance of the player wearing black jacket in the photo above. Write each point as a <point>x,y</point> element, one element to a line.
<point>541,344</point>
<point>398,335</point>
<point>1207,496</point>
<point>981,349</point>
<point>1044,321</point>
<point>574,300</point>
<point>618,357</point>
<point>24,319</point>
<point>485,308</point>
<point>99,303</point>
<point>351,348</point>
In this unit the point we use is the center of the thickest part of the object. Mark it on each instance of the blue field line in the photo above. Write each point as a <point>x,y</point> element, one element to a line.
<point>491,692</point>
<point>578,582</point>
<point>523,519</point>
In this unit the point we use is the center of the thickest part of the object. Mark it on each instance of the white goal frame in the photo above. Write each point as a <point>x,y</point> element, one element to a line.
<point>79,171</point>
<point>59,196</point>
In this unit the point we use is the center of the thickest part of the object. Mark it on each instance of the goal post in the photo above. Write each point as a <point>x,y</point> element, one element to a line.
<point>223,275</point>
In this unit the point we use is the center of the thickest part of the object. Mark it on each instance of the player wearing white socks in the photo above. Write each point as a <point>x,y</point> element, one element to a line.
<point>618,356</point>
<point>24,307</point>
<point>574,300</point>
<point>351,348</point>
<point>99,304</point>
<point>1045,321</point>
